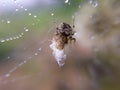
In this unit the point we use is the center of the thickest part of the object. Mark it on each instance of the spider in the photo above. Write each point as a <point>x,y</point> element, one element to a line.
<point>63,35</point>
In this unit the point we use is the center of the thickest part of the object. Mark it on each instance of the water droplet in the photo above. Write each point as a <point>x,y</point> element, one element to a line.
<point>52,14</point>
<point>29,14</point>
<point>92,37</point>
<point>7,39</point>
<point>7,75</point>
<point>73,17</point>
<point>66,1</point>
<point>16,9</point>
<point>26,30</point>
<point>14,37</point>
<point>94,3</point>
<point>8,57</point>
<point>8,21</point>
<point>2,40</point>
<point>22,33</point>
<point>79,6</point>
<point>17,37</point>
<point>25,61</point>
<point>40,49</point>
<point>20,36</point>
<point>21,64</point>
<point>25,9</point>
<point>21,6</point>
<point>15,1</point>
<point>69,3</point>
<point>35,16</point>
<point>12,70</point>
<point>36,54</point>
<point>11,38</point>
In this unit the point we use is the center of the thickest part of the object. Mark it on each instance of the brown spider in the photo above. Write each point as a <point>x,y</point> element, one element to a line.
<point>63,35</point>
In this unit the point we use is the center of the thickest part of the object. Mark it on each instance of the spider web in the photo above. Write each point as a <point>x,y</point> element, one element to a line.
<point>15,29</point>
<point>19,24</point>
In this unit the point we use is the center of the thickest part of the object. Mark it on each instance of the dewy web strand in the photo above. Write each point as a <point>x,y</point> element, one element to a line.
<point>23,32</point>
<point>18,36</point>
<point>26,28</point>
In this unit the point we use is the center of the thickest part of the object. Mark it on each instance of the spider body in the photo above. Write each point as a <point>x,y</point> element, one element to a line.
<point>63,35</point>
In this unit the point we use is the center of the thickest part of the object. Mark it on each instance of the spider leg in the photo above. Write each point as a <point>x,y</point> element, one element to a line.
<point>72,39</point>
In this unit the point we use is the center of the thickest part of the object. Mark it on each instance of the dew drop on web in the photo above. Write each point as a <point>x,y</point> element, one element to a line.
<point>66,1</point>
<point>94,3</point>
